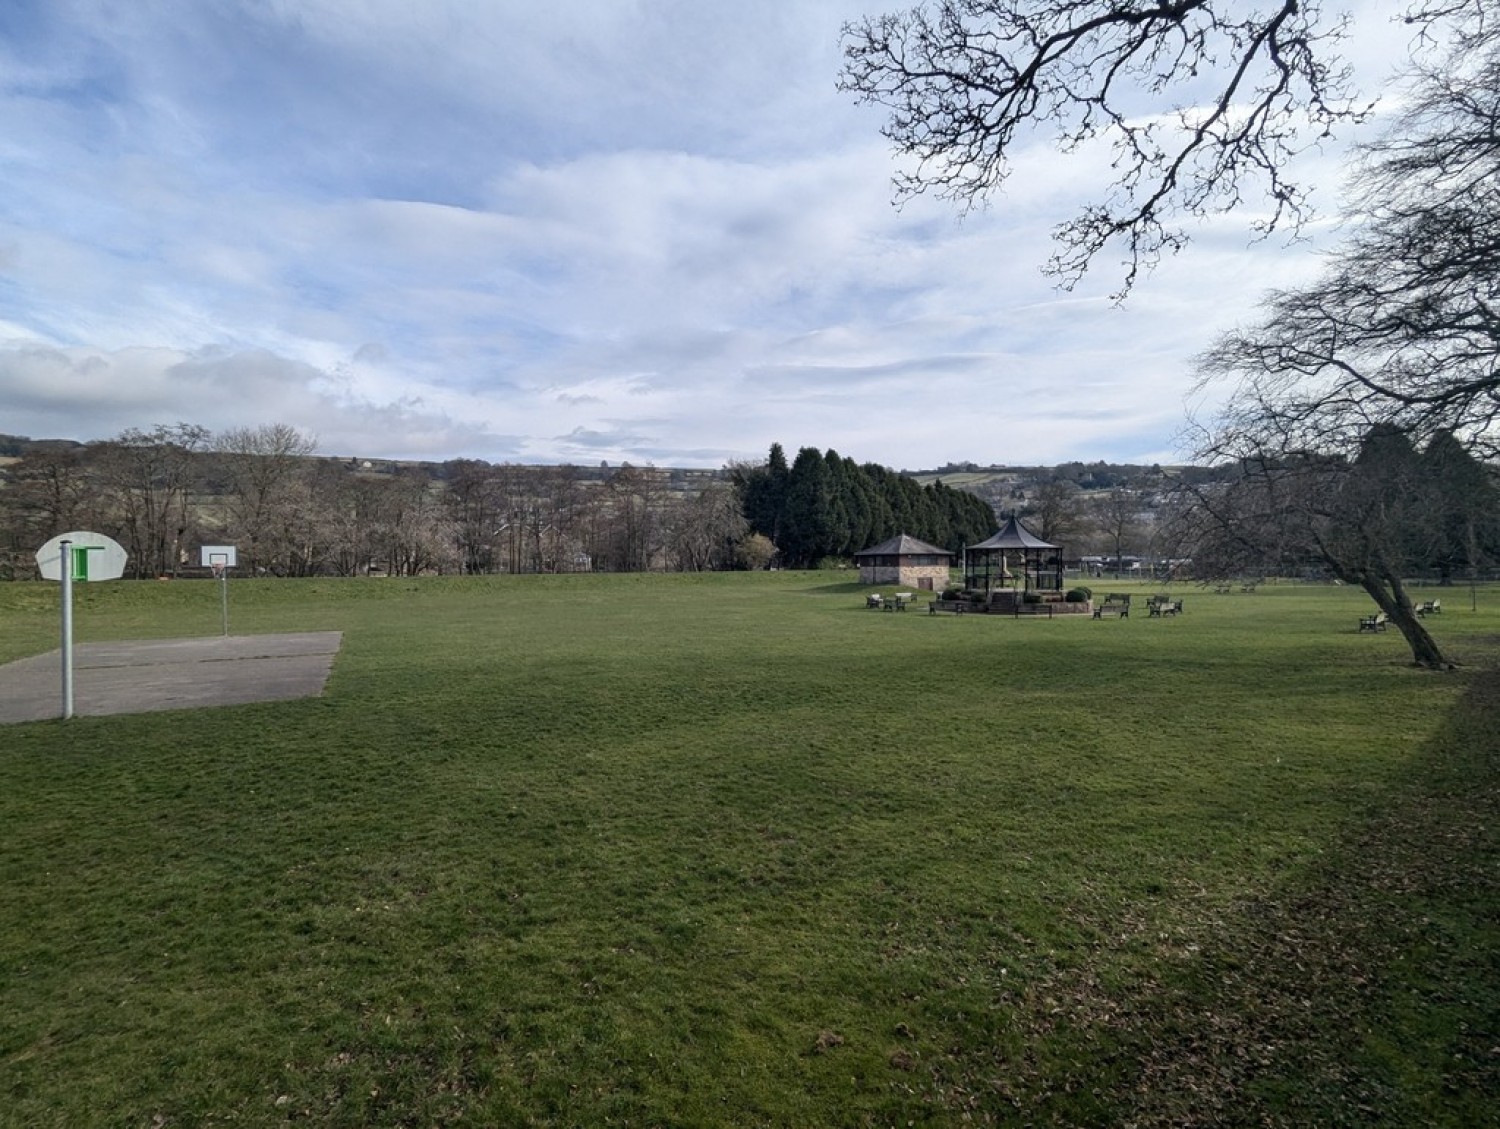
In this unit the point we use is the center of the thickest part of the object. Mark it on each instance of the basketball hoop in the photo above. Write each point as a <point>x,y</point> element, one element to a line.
<point>219,559</point>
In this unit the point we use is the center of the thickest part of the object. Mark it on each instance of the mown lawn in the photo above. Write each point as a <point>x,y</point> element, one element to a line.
<point>733,850</point>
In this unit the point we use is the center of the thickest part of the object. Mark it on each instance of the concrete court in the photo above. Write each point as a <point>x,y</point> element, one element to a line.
<point>169,674</point>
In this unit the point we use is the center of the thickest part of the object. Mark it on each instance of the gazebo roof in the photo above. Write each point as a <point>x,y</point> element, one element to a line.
<point>1014,535</point>
<point>902,546</point>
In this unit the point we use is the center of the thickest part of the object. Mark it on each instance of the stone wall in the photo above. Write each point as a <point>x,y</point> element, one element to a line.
<point>907,576</point>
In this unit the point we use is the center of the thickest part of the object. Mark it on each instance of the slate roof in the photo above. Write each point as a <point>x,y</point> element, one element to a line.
<point>1014,535</point>
<point>902,546</point>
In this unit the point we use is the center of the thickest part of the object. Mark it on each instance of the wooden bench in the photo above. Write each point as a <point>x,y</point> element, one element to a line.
<point>1116,603</point>
<point>957,607</point>
<point>1374,622</point>
<point>1430,607</point>
<point>1162,606</point>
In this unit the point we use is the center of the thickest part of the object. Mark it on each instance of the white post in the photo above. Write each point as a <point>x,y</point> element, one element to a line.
<point>224,599</point>
<point>67,629</point>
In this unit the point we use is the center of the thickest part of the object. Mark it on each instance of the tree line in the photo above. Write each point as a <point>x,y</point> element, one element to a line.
<point>824,506</point>
<point>1393,512</point>
<point>165,492</point>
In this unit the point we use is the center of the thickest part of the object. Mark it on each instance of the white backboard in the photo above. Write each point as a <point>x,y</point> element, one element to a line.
<point>95,557</point>
<point>223,555</point>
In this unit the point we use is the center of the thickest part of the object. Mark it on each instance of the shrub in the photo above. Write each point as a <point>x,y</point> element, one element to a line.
<point>1079,595</point>
<point>755,552</point>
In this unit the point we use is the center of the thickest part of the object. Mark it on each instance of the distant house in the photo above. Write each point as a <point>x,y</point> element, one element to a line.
<point>906,561</point>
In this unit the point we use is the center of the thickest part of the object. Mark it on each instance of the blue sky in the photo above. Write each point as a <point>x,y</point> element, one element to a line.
<point>624,230</point>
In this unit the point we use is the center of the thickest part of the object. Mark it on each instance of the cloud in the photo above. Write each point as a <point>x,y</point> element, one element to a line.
<point>94,395</point>
<point>643,231</point>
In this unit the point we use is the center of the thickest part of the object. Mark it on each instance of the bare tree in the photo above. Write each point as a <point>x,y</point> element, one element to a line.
<point>1403,328</point>
<point>298,526</point>
<point>1058,511</point>
<point>411,530</point>
<point>149,478</point>
<point>349,505</point>
<point>263,470</point>
<point>705,530</point>
<point>967,80</point>
<point>1399,337</point>
<point>47,492</point>
<point>472,500</point>
<point>511,503</point>
<point>632,532</point>
<point>391,523</point>
<point>1116,515</point>
<point>1364,521</point>
<point>564,501</point>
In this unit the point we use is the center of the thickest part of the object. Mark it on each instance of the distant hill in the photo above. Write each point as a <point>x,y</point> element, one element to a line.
<point>16,446</point>
<point>1007,488</point>
<point>677,479</point>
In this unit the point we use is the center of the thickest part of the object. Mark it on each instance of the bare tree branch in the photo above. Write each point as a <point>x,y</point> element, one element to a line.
<point>966,80</point>
<point>1403,328</point>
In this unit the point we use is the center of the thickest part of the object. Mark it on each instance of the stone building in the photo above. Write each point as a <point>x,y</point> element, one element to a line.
<point>905,561</point>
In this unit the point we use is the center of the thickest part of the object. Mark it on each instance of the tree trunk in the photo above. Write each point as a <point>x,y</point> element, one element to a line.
<point>1390,595</point>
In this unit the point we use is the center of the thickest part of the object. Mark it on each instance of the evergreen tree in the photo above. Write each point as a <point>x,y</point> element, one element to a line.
<point>865,525</point>
<point>841,532</point>
<point>840,507</point>
<point>762,493</point>
<point>807,532</point>
<point>1464,523</point>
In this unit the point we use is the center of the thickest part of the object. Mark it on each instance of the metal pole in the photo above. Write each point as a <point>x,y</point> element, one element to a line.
<point>66,574</point>
<point>224,599</point>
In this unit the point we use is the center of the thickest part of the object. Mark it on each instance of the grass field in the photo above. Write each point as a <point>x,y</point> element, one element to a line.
<point>731,850</point>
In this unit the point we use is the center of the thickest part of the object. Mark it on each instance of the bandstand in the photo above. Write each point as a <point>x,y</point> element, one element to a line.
<point>1014,558</point>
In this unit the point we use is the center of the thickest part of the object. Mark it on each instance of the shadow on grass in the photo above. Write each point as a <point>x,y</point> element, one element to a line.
<point>849,587</point>
<point>1365,993</point>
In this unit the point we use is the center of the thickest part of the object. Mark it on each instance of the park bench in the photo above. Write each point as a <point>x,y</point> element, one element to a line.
<point>1374,622</point>
<point>1116,603</point>
<point>1162,606</point>
<point>1430,607</point>
<point>1222,590</point>
<point>874,600</point>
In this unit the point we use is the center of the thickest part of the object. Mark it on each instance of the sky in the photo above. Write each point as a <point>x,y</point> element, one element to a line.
<point>646,231</point>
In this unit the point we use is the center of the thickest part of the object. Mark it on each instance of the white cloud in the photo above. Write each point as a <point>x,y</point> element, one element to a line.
<point>647,230</point>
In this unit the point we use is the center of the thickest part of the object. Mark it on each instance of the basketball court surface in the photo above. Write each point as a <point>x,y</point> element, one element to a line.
<point>170,674</point>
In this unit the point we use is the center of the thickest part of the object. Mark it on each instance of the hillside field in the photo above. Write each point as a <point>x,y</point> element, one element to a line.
<point>733,850</point>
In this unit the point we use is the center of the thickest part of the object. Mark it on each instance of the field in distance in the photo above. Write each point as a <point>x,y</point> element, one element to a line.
<point>730,849</point>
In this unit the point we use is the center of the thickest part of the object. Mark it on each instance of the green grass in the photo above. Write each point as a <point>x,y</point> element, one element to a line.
<point>733,850</point>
